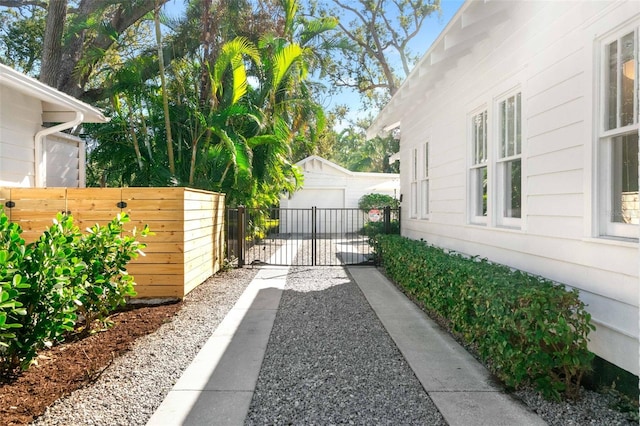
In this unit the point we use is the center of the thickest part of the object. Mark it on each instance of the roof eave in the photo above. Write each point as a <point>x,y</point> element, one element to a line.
<point>472,22</point>
<point>60,102</point>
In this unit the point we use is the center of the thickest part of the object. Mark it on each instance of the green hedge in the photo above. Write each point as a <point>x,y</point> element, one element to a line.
<point>371,229</point>
<point>377,201</point>
<point>59,284</point>
<point>527,330</point>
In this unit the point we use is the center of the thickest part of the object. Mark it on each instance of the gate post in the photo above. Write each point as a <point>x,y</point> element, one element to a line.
<point>313,236</point>
<point>387,220</point>
<point>241,231</point>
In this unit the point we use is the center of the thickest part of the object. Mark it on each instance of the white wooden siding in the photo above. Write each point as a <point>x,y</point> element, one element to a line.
<point>21,118</point>
<point>546,49</point>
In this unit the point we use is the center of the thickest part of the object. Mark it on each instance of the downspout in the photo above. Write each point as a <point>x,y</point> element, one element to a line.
<point>39,137</point>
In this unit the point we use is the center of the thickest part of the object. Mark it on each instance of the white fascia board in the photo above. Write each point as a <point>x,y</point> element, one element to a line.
<point>326,162</point>
<point>468,25</point>
<point>53,100</point>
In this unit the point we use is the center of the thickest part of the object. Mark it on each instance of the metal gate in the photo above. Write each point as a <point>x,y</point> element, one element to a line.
<point>306,237</point>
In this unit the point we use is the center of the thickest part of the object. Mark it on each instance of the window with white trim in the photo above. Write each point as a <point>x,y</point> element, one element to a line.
<point>424,183</point>
<point>509,161</point>
<point>618,136</point>
<point>478,170</point>
<point>414,183</point>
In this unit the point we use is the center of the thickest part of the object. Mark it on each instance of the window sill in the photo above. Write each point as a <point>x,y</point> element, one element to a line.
<point>483,224</point>
<point>613,241</point>
<point>509,228</point>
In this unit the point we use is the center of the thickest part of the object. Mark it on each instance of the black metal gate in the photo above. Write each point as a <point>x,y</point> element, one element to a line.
<point>306,237</point>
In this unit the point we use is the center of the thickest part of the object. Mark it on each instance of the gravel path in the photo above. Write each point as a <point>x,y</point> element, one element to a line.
<point>330,361</point>
<point>131,389</point>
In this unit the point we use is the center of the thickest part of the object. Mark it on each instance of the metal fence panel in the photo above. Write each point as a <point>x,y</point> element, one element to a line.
<point>306,237</point>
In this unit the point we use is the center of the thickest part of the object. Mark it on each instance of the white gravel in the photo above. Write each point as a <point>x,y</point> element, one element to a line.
<point>329,361</point>
<point>133,387</point>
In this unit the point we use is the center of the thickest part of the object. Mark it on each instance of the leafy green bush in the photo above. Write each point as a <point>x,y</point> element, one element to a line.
<point>11,282</point>
<point>260,228</point>
<point>528,330</point>
<point>54,273</point>
<point>371,229</point>
<point>106,250</point>
<point>377,201</point>
<point>47,283</point>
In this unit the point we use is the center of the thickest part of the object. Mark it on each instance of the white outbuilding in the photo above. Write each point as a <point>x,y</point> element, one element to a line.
<point>519,143</point>
<point>328,185</point>
<point>331,187</point>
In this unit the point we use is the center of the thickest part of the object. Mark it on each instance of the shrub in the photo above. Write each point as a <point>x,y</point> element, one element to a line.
<point>527,329</point>
<point>47,283</point>
<point>106,250</point>
<point>377,201</point>
<point>371,229</point>
<point>11,282</point>
<point>52,270</point>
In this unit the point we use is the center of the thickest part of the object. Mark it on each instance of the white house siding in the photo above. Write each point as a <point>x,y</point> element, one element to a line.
<point>547,49</point>
<point>20,118</point>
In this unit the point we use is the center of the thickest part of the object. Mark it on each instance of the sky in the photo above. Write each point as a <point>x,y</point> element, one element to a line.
<point>430,30</point>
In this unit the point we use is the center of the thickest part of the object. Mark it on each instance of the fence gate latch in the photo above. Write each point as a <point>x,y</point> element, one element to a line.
<point>121,205</point>
<point>10,204</point>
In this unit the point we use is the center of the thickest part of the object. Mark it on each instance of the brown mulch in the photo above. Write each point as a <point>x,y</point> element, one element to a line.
<point>72,365</point>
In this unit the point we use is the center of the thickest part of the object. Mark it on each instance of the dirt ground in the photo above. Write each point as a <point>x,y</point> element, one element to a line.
<point>69,366</point>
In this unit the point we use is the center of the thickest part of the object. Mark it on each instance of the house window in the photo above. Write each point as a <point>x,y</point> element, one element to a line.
<point>424,184</point>
<point>414,183</point>
<point>509,162</point>
<point>618,139</point>
<point>478,172</point>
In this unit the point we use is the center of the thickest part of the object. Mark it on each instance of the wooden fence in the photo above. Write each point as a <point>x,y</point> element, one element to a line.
<point>188,245</point>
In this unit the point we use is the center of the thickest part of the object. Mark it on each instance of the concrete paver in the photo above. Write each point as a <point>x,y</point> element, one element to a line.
<point>460,386</point>
<point>218,386</point>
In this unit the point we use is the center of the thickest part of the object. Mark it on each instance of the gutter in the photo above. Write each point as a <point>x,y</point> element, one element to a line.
<point>39,138</point>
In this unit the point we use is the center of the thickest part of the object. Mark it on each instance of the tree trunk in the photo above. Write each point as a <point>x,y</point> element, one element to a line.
<point>165,99</point>
<point>73,79</point>
<point>205,41</point>
<point>52,45</point>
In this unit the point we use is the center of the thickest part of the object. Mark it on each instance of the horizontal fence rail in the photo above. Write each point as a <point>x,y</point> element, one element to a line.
<point>306,237</point>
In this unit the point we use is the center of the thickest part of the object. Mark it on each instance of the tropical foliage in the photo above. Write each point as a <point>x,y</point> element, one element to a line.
<point>377,201</point>
<point>355,152</point>
<point>232,131</point>
<point>223,97</point>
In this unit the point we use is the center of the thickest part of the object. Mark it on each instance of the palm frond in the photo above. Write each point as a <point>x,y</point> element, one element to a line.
<point>283,60</point>
<point>232,55</point>
<point>315,28</point>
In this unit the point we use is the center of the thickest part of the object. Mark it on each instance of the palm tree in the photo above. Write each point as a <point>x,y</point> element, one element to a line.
<point>233,134</point>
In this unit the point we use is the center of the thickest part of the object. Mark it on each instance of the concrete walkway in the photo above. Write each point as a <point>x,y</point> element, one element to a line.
<point>218,386</point>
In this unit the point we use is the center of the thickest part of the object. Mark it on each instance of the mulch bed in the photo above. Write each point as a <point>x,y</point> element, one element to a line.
<point>70,366</point>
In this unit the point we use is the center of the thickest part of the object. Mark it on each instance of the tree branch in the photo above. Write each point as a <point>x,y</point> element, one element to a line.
<point>23,3</point>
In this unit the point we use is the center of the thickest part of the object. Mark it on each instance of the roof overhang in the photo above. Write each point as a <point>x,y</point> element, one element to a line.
<point>56,105</point>
<point>347,172</point>
<point>474,22</point>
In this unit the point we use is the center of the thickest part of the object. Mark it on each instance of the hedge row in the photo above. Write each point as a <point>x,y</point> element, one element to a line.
<point>59,284</point>
<point>527,330</point>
